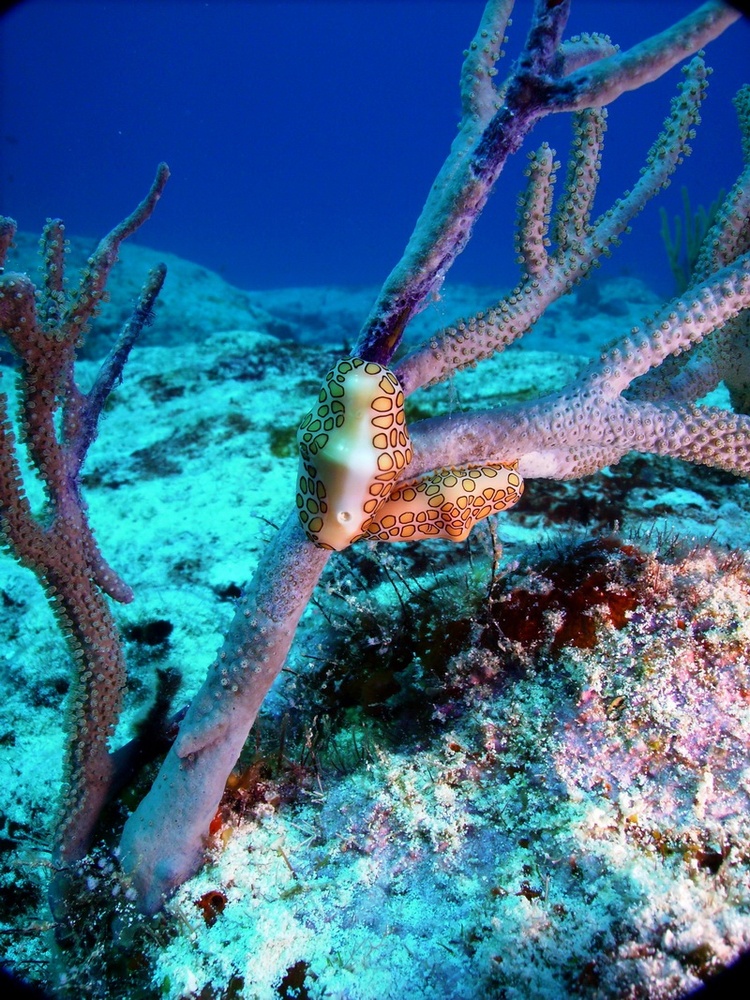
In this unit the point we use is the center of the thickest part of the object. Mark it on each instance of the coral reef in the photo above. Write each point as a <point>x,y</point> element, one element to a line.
<point>522,779</point>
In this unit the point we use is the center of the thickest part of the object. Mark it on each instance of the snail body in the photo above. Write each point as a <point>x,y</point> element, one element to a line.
<point>354,447</point>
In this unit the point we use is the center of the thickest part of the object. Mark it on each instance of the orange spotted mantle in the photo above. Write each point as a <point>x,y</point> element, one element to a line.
<point>354,445</point>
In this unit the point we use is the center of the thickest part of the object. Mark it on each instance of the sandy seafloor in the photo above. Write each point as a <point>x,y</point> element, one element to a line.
<point>524,780</point>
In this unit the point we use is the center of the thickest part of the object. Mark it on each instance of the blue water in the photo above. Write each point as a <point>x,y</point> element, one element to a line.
<point>303,137</point>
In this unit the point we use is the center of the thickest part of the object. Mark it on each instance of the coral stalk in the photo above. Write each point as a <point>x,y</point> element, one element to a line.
<point>58,422</point>
<point>164,840</point>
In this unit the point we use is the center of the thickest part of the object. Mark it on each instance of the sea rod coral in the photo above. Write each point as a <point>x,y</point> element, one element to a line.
<point>613,407</point>
<point>58,422</point>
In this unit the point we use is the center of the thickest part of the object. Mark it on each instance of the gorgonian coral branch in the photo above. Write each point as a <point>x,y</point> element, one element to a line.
<point>548,275</point>
<point>163,841</point>
<point>57,424</point>
<point>592,422</point>
<point>603,81</point>
<point>494,126</point>
<point>725,356</point>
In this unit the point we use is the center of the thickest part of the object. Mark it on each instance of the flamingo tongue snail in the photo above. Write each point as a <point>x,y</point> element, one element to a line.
<point>354,445</point>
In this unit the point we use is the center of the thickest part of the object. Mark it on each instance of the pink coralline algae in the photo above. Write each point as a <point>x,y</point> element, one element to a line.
<point>660,735</point>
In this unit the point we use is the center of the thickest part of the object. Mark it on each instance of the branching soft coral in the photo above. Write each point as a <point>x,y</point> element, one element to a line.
<point>592,422</point>
<point>58,422</point>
